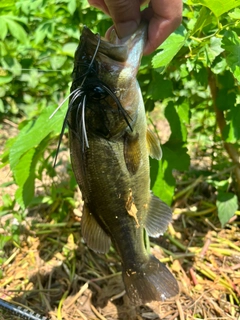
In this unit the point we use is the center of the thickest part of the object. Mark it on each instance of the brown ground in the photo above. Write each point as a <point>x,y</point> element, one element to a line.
<point>53,273</point>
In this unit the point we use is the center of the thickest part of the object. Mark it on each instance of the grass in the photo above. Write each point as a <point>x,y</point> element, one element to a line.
<point>53,273</point>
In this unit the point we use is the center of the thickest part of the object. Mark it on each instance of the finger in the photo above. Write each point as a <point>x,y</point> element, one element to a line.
<point>125,14</point>
<point>100,4</point>
<point>164,17</point>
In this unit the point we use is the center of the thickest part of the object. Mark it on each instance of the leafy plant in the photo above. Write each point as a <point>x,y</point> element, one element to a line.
<point>194,74</point>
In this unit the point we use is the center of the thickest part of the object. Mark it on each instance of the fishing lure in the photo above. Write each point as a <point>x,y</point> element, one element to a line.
<point>91,88</point>
<point>21,312</point>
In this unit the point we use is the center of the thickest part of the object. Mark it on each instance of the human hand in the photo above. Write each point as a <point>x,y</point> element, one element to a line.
<point>163,16</point>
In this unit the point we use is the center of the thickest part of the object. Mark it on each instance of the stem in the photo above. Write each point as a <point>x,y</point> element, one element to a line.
<point>231,150</point>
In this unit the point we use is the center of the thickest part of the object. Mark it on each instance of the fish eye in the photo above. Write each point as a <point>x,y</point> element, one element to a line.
<point>98,93</point>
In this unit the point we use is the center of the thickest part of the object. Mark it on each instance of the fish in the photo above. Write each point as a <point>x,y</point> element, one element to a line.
<point>110,145</point>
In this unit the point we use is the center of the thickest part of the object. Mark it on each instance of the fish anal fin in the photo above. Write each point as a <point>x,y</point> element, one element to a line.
<point>94,236</point>
<point>158,217</point>
<point>153,144</point>
<point>132,152</point>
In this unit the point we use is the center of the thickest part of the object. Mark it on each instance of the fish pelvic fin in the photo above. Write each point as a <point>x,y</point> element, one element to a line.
<point>92,233</point>
<point>153,145</point>
<point>150,281</point>
<point>158,218</point>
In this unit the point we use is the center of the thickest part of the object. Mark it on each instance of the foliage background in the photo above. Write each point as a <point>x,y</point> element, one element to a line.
<point>193,78</point>
<point>190,86</point>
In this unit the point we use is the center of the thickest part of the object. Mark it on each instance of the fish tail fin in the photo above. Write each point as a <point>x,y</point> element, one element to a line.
<point>149,281</point>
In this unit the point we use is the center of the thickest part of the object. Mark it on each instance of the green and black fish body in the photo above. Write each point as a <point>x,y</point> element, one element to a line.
<point>110,147</point>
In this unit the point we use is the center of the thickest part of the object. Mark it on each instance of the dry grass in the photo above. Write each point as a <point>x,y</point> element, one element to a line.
<point>53,273</point>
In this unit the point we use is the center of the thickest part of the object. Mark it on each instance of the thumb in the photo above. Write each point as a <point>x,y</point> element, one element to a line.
<point>125,14</point>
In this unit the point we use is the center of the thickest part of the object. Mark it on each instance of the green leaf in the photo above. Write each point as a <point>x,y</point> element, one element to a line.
<point>12,65</point>
<point>1,106</point>
<point>44,30</point>
<point>159,88</point>
<point>6,3</point>
<point>149,105</point>
<point>201,75</point>
<point>84,4</point>
<point>174,157</point>
<point>231,132</point>
<point>57,62</point>
<point>164,185</point>
<point>15,18</point>
<point>3,28</point>
<point>16,30</point>
<point>24,175</point>
<point>235,114</point>
<point>23,167</point>
<point>228,133</point>
<point>227,205</point>
<point>69,49</point>
<point>170,48</point>
<point>177,155</point>
<point>231,44</point>
<point>178,117</point>
<point>226,80</point>
<point>34,132</point>
<point>218,7</point>
<point>213,49</point>
<point>204,18</point>
<point>5,79</point>
<point>72,6</point>
<point>235,14</point>
<point>40,33</point>
<point>225,100</point>
<point>219,65</point>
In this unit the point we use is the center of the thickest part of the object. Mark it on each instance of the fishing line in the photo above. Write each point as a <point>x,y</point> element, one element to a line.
<point>120,107</point>
<point>54,112</point>
<point>24,69</point>
<point>96,83</point>
<point>75,93</point>
<point>82,91</point>
<point>93,58</point>
<point>89,67</point>
<point>84,132</point>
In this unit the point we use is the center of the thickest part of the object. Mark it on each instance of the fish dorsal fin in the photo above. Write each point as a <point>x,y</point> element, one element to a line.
<point>153,144</point>
<point>94,236</point>
<point>158,218</point>
<point>132,152</point>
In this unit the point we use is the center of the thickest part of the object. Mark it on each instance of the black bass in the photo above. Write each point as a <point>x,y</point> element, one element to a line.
<point>110,147</point>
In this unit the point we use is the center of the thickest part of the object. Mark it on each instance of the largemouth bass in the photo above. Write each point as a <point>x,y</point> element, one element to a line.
<point>110,147</point>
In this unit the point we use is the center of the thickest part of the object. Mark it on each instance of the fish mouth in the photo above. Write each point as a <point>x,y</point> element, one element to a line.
<point>114,47</point>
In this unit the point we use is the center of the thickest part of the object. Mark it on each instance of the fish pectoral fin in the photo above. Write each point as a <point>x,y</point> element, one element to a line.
<point>94,236</point>
<point>153,144</point>
<point>158,218</point>
<point>132,152</point>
